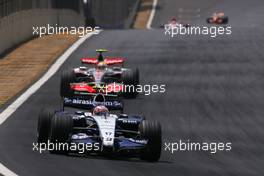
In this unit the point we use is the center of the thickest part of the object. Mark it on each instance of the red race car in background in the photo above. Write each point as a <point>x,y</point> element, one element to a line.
<point>217,18</point>
<point>104,77</point>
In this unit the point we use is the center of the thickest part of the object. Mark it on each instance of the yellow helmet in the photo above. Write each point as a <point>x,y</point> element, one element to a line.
<point>101,65</point>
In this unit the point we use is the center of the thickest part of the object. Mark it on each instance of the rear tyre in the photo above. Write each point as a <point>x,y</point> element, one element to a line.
<point>130,80</point>
<point>44,122</point>
<point>151,130</point>
<point>90,22</point>
<point>67,78</point>
<point>61,128</point>
<point>225,20</point>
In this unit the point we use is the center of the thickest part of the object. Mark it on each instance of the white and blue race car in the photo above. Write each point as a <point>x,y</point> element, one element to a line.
<point>101,132</point>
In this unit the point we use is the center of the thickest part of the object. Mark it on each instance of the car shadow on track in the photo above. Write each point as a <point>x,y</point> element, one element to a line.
<point>114,158</point>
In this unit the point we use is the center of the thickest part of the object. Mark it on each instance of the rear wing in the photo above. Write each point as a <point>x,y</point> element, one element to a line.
<point>107,61</point>
<point>112,103</point>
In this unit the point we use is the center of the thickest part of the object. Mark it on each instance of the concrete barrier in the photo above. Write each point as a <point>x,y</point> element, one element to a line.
<point>17,27</point>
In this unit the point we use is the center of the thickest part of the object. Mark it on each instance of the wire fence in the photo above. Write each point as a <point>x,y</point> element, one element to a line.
<point>8,7</point>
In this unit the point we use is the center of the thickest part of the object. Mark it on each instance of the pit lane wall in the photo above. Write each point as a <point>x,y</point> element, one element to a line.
<point>16,24</point>
<point>18,27</point>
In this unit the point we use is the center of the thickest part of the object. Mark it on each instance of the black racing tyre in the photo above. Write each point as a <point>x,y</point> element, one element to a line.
<point>44,122</point>
<point>60,131</point>
<point>130,80</point>
<point>208,20</point>
<point>136,76</point>
<point>67,77</point>
<point>151,130</point>
<point>225,20</point>
<point>90,22</point>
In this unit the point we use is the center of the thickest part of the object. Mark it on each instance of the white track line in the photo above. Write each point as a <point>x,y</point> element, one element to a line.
<point>5,171</point>
<point>32,89</point>
<point>152,14</point>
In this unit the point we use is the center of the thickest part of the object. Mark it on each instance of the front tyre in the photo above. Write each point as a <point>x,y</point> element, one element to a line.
<point>44,122</point>
<point>151,130</point>
<point>67,78</point>
<point>209,20</point>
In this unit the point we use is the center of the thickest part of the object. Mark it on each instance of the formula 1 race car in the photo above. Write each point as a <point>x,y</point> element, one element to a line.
<point>174,23</point>
<point>218,18</point>
<point>100,79</point>
<point>101,133</point>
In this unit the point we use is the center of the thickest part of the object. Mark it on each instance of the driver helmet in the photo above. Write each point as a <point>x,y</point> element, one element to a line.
<point>220,14</point>
<point>173,20</point>
<point>101,66</point>
<point>100,110</point>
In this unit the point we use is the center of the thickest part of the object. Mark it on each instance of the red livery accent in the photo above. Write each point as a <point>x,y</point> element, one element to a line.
<point>110,88</point>
<point>111,61</point>
<point>107,61</point>
<point>82,87</point>
<point>90,60</point>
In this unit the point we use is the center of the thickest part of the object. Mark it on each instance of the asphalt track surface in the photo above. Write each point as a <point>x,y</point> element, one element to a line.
<point>214,93</point>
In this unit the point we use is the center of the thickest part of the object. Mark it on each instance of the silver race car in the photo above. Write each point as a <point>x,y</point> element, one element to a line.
<point>102,78</point>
